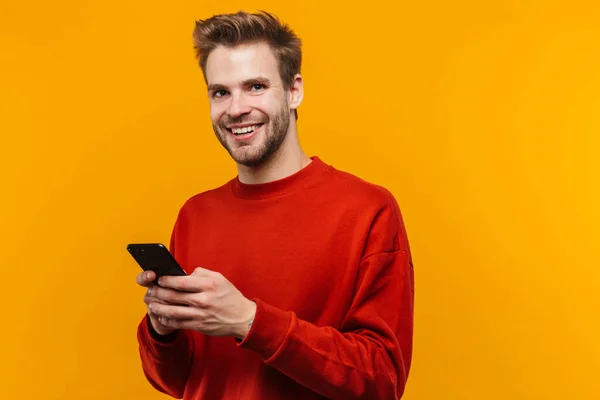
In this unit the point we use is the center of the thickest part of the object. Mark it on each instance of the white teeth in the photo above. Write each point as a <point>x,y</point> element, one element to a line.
<point>247,129</point>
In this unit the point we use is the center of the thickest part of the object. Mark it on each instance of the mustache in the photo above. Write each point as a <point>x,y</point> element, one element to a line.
<point>243,120</point>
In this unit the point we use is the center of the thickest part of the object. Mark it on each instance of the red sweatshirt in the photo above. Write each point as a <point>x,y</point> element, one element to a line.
<point>326,258</point>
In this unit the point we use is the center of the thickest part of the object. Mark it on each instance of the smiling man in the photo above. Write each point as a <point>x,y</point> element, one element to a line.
<point>250,105</point>
<point>300,278</point>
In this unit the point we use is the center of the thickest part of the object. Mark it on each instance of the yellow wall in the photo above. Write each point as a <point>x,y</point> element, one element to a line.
<point>481,116</point>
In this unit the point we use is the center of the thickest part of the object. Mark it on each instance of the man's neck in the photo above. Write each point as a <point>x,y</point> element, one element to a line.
<point>289,159</point>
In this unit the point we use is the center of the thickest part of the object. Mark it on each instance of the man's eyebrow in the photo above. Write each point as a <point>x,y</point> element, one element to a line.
<point>248,82</point>
<point>216,86</point>
<point>259,79</point>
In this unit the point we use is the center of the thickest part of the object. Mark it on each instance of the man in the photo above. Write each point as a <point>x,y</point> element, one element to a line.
<point>300,278</point>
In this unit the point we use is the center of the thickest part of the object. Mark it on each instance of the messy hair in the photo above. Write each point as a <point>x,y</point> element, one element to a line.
<point>242,28</point>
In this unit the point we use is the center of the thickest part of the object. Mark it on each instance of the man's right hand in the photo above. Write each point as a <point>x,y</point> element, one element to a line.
<point>145,279</point>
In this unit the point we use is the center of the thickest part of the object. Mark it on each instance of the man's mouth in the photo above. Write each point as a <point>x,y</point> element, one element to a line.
<point>245,131</point>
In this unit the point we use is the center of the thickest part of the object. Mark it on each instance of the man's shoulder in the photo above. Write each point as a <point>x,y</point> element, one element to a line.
<point>351,186</point>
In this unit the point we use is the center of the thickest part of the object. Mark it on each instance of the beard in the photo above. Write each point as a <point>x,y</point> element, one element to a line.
<point>252,155</point>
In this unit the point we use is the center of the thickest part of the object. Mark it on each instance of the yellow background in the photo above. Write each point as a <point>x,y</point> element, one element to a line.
<point>482,117</point>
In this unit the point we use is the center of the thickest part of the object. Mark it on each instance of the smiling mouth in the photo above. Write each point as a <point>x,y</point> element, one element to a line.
<point>245,131</point>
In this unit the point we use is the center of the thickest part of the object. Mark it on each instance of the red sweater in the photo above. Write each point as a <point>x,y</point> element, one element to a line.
<point>326,258</point>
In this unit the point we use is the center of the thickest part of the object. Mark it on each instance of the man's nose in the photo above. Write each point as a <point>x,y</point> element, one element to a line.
<point>238,106</point>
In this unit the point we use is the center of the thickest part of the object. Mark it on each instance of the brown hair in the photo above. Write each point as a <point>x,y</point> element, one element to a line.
<point>242,28</point>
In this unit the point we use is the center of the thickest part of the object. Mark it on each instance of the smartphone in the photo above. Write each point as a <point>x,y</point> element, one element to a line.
<point>155,257</point>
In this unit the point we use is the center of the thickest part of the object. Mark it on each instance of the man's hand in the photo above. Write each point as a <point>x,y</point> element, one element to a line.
<point>204,301</point>
<point>145,279</point>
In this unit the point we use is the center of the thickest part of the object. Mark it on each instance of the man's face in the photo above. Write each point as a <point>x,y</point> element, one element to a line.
<point>249,106</point>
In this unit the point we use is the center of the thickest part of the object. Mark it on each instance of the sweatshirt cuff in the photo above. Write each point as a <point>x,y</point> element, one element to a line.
<point>157,336</point>
<point>152,340</point>
<point>268,330</point>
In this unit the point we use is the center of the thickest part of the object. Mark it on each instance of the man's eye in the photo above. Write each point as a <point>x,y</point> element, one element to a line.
<point>258,86</point>
<point>220,93</point>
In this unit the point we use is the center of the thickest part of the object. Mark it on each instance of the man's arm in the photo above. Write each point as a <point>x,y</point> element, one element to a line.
<point>166,359</point>
<point>369,357</point>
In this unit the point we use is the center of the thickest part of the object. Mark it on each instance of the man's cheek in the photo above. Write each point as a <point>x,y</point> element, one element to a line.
<point>216,112</point>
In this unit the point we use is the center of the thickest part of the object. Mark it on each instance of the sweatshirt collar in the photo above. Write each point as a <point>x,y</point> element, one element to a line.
<point>280,187</point>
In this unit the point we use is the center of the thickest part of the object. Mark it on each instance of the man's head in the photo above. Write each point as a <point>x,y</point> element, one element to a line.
<point>251,64</point>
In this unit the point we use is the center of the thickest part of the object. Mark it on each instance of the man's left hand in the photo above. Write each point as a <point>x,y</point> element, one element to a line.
<point>204,301</point>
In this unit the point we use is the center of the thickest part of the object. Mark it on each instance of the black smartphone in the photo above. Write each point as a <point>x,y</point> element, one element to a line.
<point>155,257</point>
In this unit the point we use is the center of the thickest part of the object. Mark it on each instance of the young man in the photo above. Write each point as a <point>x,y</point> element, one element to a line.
<point>300,280</point>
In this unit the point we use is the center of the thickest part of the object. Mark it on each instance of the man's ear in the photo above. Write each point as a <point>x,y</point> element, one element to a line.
<point>296,92</point>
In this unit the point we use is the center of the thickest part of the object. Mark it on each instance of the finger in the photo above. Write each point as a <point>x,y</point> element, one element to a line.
<point>174,311</point>
<point>155,321</point>
<point>151,299</point>
<point>188,283</point>
<point>145,278</point>
<point>153,316</point>
<point>148,297</point>
<point>169,296</point>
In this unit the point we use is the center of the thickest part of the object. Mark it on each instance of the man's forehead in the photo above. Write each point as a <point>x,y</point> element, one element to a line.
<point>240,63</point>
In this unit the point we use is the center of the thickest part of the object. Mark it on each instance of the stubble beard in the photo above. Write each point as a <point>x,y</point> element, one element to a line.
<point>274,131</point>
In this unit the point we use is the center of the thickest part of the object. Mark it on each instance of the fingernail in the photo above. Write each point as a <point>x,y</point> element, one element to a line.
<point>147,275</point>
<point>151,291</point>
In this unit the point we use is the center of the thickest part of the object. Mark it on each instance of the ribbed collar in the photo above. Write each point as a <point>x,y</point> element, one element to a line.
<point>291,183</point>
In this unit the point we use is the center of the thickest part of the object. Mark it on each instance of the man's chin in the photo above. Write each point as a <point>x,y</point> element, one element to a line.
<point>248,160</point>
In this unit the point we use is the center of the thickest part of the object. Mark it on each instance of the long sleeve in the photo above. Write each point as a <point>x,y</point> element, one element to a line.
<point>369,356</point>
<point>166,360</point>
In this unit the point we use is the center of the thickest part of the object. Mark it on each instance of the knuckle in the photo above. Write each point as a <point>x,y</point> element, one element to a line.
<point>198,301</point>
<point>148,298</point>
<point>211,284</point>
